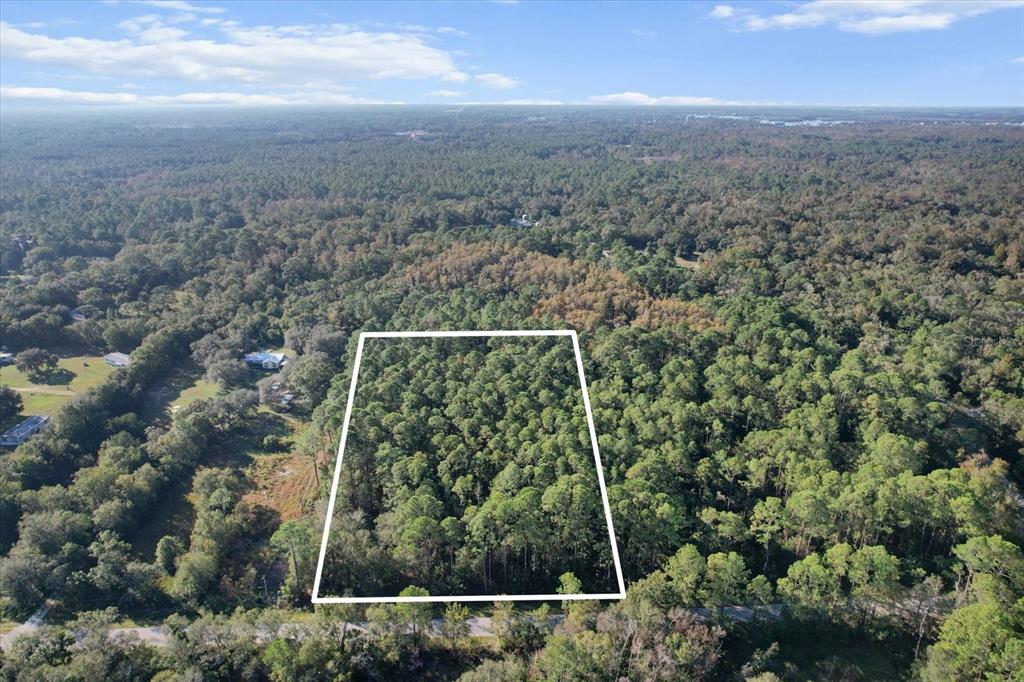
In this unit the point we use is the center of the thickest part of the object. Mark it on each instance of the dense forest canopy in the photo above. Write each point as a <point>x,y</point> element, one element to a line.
<point>803,333</point>
<point>470,460</point>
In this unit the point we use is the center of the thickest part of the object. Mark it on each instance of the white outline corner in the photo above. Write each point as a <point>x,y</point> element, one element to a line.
<point>621,594</point>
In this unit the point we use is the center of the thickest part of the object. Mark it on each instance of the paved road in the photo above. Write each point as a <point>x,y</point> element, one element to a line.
<point>30,625</point>
<point>157,635</point>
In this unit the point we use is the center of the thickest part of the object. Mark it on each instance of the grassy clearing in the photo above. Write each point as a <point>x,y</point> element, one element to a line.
<point>13,377</point>
<point>42,403</point>
<point>691,263</point>
<point>83,372</point>
<point>199,390</point>
<point>282,479</point>
<point>76,374</point>
<point>89,372</point>
<point>282,482</point>
<point>181,387</point>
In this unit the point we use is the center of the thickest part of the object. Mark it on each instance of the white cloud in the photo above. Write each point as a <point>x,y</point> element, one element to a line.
<point>71,97</point>
<point>232,98</point>
<point>223,98</point>
<point>151,29</point>
<point>864,16</point>
<point>514,103</point>
<point>1018,60</point>
<point>262,54</point>
<point>906,22</point>
<point>531,102</point>
<point>497,81</point>
<point>446,93</point>
<point>640,33</point>
<point>642,99</point>
<point>173,5</point>
<point>407,28</point>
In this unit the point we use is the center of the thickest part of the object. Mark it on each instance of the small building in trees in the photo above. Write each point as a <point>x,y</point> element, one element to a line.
<point>264,359</point>
<point>6,358</point>
<point>523,221</point>
<point>16,435</point>
<point>117,359</point>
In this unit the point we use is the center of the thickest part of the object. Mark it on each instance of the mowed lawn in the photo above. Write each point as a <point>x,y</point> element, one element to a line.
<point>197,391</point>
<point>82,373</point>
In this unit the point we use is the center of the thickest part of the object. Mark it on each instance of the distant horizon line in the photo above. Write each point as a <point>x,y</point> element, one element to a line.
<point>503,105</point>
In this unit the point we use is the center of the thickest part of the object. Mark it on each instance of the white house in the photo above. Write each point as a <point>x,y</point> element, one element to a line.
<point>117,359</point>
<point>264,359</point>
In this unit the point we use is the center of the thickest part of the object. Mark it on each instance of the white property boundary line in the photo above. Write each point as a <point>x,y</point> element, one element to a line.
<point>621,594</point>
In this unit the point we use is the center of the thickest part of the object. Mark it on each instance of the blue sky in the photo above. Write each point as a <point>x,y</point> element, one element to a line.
<point>822,52</point>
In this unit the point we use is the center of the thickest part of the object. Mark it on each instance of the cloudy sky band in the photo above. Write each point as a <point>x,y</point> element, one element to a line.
<point>174,52</point>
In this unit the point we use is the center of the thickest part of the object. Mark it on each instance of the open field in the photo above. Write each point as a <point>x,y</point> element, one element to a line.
<point>197,391</point>
<point>283,483</point>
<point>76,375</point>
<point>180,388</point>
<point>282,479</point>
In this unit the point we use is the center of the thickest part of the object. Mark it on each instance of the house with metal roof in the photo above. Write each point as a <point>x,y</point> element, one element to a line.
<point>264,359</point>
<point>16,435</point>
<point>117,359</point>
